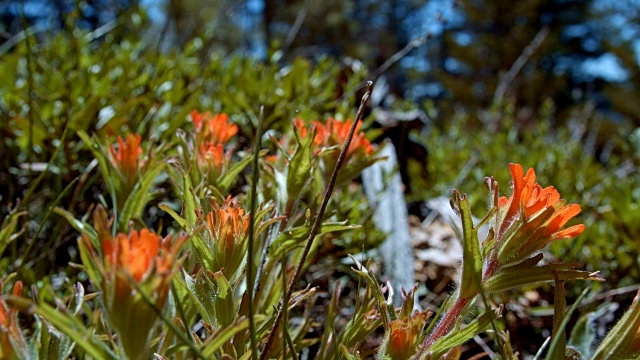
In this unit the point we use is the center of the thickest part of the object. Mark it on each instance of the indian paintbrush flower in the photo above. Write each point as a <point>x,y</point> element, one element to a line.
<point>140,261</point>
<point>334,133</point>
<point>213,160</point>
<point>521,226</point>
<point>405,334</point>
<point>530,219</point>
<point>208,155</point>
<point>226,229</point>
<point>12,343</point>
<point>212,129</point>
<point>126,157</point>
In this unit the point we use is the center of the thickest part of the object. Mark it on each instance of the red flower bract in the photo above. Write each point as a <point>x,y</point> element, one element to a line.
<point>335,132</point>
<point>532,217</point>
<point>126,156</point>
<point>228,224</point>
<point>133,253</point>
<point>12,343</point>
<point>213,129</point>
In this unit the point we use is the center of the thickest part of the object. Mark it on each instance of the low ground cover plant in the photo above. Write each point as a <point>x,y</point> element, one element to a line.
<point>224,281</point>
<point>206,209</point>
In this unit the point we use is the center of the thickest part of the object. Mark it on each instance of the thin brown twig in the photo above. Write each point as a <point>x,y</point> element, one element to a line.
<point>318,221</point>
<point>291,36</point>
<point>528,51</point>
<point>415,43</point>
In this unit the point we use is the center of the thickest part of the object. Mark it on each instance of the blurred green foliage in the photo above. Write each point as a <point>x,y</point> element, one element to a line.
<point>116,82</point>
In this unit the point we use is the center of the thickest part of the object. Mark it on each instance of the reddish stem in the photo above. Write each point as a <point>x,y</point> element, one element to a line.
<point>491,270</point>
<point>446,323</point>
<point>450,318</point>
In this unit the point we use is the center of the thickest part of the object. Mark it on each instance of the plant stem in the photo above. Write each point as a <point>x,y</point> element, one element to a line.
<point>250,262</point>
<point>445,324</point>
<point>454,312</point>
<point>318,221</point>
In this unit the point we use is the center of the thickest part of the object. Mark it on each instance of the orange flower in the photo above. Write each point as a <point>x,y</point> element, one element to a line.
<point>12,343</point>
<point>213,129</point>
<point>338,132</point>
<point>212,154</point>
<point>531,218</point>
<point>402,341</point>
<point>319,137</point>
<point>213,160</point>
<point>335,132</point>
<point>126,157</point>
<point>404,335</point>
<point>133,253</point>
<point>226,233</point>
<point>228,224</point>
<point>136,254</point>
<point>133,265</point>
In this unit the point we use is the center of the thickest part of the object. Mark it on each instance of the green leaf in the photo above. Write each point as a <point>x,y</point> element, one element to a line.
<point>179,219</point>
<point>230,176</point>
<point>203,251</point>
<point>188,200</point>
<point>55,344</point>
<point>616,341</point>
<point>225,309</point>
<point>215,342</point>
<point>203,296</point>
<point>69,325</point>
<point>377,293</point>
<point>88,261</point>
<point>557,341</point>
<point>94,146</point>
<point>513,277</point>
<point>583,335</point>
<point>347,354</point>
<point>8,227</point>
<point>558,335</point>
<point>471,255</point>
<point>300,165</point>
<point>137,200</point>
<point>459,337</point>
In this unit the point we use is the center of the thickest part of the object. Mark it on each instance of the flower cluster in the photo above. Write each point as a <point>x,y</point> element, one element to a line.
<point>125,157</point>
<point>327,143</point>
<point>213,160</point>
<point>521,226</point>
